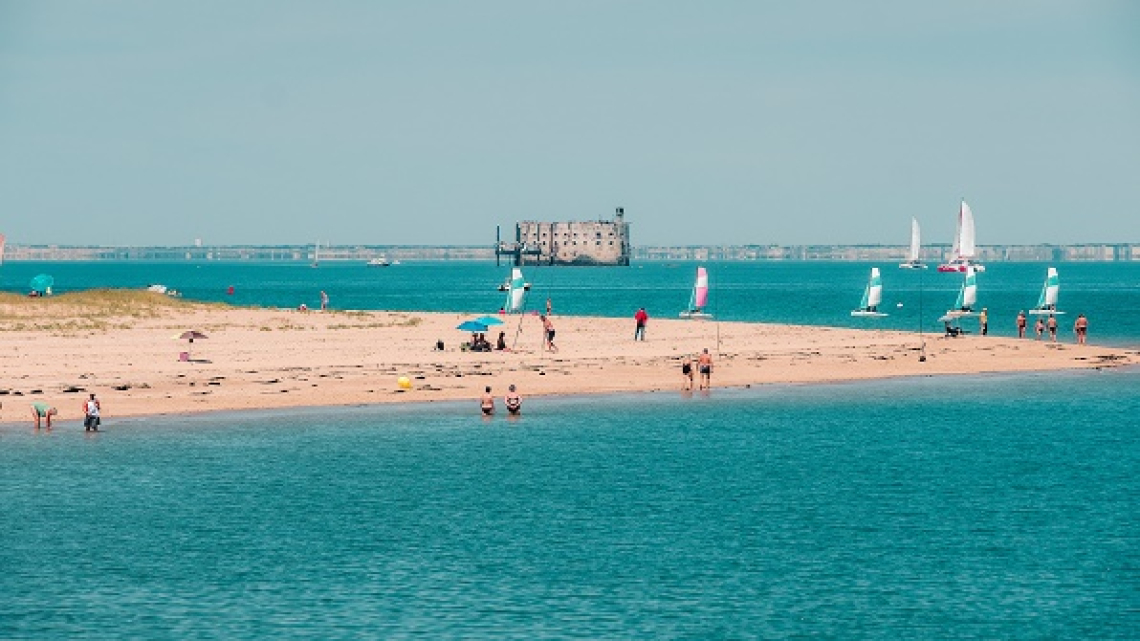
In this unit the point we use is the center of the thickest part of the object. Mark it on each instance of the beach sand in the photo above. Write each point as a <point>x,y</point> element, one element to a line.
<point>121,346</point>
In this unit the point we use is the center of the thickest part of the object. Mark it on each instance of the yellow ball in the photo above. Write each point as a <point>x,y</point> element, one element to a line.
<point>405,382</point>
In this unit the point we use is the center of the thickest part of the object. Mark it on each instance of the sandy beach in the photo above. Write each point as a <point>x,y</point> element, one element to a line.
<point>123,347</point>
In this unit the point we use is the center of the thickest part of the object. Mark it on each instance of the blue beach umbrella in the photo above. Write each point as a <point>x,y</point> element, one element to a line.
<point>489,320</point>
<point>41,283</point>
<point>472,326</point>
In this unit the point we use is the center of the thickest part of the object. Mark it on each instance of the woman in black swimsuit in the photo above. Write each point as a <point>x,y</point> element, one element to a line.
<point>687,373</point>
<point>487,403</point>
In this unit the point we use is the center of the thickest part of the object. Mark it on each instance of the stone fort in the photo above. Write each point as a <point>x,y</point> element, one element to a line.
<point>592,242</point>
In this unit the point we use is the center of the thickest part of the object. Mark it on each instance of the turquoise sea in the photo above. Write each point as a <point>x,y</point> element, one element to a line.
<point>994,506</point>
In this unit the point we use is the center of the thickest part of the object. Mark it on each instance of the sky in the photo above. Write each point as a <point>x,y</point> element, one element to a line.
<point>431,122</point>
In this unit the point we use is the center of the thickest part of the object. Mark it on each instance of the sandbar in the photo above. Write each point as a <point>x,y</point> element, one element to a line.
<point>122,346</point>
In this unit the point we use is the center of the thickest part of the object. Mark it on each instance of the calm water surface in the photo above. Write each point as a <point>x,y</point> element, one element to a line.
<point>967,507</point>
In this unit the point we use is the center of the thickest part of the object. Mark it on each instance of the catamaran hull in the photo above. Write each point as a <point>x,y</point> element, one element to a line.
<point>912,266</point>
<point>859,312</point>
<point>1044,312</point>
<point>959,268</point>
<point>696,315</point>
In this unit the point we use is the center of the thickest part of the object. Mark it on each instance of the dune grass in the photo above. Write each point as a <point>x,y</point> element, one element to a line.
<point>96,309</point>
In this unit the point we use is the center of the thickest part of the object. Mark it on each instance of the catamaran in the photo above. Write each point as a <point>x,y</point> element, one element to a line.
<point>699,298</point>
<point>516,291</point>
<point>912,260</point>
<point>967,298</point>
<point>964,247</point>
<point>1047,302</point>
<point>872,296</point>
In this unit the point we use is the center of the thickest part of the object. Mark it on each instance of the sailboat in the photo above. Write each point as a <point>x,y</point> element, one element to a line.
<point>872,296</point>
<point>967,298</point>
<point>3,241</point>
<point>1047,302</point>
<point>516,291</point>
<point>316,255</point>
<point>700,296</point>
<point>964,247</point>
<point>912,260</point>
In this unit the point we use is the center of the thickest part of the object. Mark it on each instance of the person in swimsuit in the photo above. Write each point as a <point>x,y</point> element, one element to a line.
<point>687,373</point>
<point>487,402</point>
<point>548,334</point>
<point>513,401</point>
<point>1081,328</point>
<point>1040,327</point>
<point>704,365</point>
<point>1053,328</point>
<point>984,322</point>
<point>45,411</point>
<point>1021,324</point>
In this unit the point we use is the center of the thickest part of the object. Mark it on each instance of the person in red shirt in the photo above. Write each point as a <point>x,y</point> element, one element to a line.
<point>642,318</point>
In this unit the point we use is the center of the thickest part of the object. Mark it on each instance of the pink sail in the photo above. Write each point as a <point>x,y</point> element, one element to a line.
<point>701,289</point>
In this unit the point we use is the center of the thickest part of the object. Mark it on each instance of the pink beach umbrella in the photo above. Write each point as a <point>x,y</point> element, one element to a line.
<point>190,335</point>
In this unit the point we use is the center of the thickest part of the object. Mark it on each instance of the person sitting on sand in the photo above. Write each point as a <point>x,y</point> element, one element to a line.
<point>513,401</point>
<point>439,345</point>
<point>45,411</point>
<point>501,344</point>
<point>487,402</point>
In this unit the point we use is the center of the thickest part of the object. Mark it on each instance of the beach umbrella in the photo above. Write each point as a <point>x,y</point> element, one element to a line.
<point>489,320</point>
<point>41,283</point>
<point>471,326</point>
<point>190,335</point>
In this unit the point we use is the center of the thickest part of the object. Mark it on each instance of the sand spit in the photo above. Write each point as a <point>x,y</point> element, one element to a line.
<point>122,346</point>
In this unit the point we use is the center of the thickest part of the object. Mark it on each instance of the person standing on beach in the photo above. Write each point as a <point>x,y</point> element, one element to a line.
<point>687,373</point>
<point>548,334</point>
<point>984,322</point>
<point>1081,328</point>
<point>1052,328</point>
<point>44,411</point>
<point>91,420</point>
<point>1039,327</point>
<point>704,364</point>
<point>641,318</point>
<point>1021,324</point>
<point>324,300</point>
<point>513,401</point>
<point>487,402</point>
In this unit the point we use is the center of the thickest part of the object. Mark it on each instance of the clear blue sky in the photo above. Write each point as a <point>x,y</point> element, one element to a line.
<point>430,122</point>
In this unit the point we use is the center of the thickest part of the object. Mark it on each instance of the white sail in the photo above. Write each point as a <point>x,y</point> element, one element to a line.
<point>1047,301</point>
<point>965,240</point>
<point>915,241</point>
<point>3,241</point>
<point>968,297</point>
<point>516,291</point>
<point>874,289</point>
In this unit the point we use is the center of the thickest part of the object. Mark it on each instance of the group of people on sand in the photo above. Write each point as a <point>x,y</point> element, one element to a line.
<point>1080,327</point>
<point>92,411</point>
<point>512,400</point>
<point>703,367</point>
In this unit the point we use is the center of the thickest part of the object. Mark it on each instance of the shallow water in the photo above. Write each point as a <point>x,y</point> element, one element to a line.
<point>976,507</point>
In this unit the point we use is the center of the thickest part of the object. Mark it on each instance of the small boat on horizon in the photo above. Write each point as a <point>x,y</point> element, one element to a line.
<point>379,262</point>
<point>964,244</point>
<point>1047,301</point>
<point>872,297</point>
<point>913,261</point>
<point>699,297</point>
